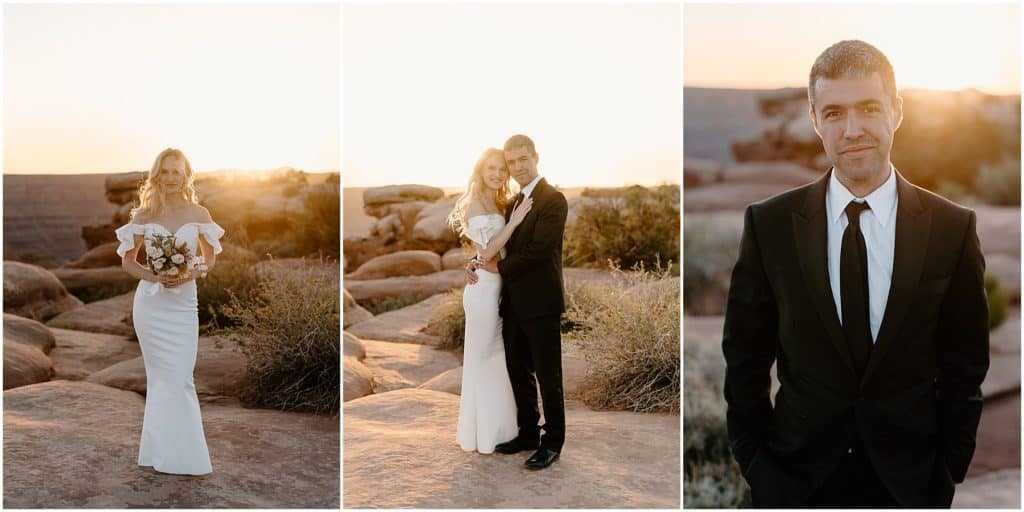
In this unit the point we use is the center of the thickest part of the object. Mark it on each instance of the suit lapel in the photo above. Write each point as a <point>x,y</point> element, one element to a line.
<point>538,190</point>
<point>811,232</point>
<point>913,225</point>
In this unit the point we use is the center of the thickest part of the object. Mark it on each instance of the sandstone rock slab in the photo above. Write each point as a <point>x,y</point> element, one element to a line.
<point>34,292</point>
<point>24,365</point>
<point>398,264</point>
<point>28,332</point>
<point>79,354</point>
<point>358,379</point>
<point>353,313</point>
<point>374,196</point>
<point>219,371</point>
<point>610,459</point>
<point>110,316</point>
<point>79,279</point>
<point>448,381</point>
<point>104,255</point>
<point>404,325</point>
<point>430,284</point>
<point>405,365</point>
<point>455,259</point>
<point>999,489</point>
<point>728,196</point>
<point>353,346</point>
<point>86,437</point>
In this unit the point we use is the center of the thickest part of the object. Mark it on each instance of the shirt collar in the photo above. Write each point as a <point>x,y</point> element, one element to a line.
<point>882,200</point>
<point>528,189</point>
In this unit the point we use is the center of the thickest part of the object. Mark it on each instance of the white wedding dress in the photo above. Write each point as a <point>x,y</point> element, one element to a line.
<point>167,324</point>
<point>487,408</point>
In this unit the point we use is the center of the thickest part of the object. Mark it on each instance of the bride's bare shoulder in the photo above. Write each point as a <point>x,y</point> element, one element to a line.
<point>201,213</point>
<point>474,208</point>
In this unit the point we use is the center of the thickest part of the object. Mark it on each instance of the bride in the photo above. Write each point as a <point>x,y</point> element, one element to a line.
<point>165,315</point>
<point>487,409</point>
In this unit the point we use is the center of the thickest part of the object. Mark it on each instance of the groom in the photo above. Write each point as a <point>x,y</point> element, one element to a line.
<point>532,302</point>
<point>867,293</point>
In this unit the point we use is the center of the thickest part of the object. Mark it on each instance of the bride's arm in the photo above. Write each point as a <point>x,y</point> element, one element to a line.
<point>495,244</point>
<point>205,248</point>
<point>133,267</point>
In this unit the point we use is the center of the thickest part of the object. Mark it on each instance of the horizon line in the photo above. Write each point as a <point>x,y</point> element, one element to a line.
<point>804,86</point>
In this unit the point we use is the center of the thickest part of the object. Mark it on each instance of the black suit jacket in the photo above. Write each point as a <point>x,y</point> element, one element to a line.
<point>917,406</point>
<point>531,272</point>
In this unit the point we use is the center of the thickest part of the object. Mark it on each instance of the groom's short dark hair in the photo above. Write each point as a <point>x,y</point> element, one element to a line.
<point>518,141</point>
<point>852,58</point>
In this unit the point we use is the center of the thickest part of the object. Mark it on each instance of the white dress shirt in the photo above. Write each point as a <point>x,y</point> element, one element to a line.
<point>528,189</point>
<point>878,225</point>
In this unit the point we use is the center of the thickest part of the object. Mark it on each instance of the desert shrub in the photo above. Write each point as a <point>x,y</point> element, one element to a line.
<point>231,278</point>
<point>96,293</point>
<point>999,183</point>
<point>449,322</point>
<point>709,254</point>
<point>712,479</point>
<point>997,301</point>
<point>947,135</point>
<point>385,304</point>
<point>291,331</point>
<point>627,226</point>
<point>628,331</point>
<point>318,230</point>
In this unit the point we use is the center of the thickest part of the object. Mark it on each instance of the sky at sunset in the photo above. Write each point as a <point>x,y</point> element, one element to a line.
<point>104,88</point>
<point>428,87</point>
<point>933,46</point>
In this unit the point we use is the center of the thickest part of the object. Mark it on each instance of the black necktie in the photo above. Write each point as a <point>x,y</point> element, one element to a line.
<point>515,203</point>
<point>853,288</point>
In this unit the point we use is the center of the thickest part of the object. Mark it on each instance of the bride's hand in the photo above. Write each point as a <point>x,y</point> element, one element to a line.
<point>520,212</point>
<point>172,281</point>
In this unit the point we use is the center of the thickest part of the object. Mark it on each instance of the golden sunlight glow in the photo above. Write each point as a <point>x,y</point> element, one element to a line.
<point>931,46</point>
<point>428,87</point>
<point>104,88</point>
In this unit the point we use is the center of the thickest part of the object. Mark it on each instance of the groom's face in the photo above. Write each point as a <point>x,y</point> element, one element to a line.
<point>522,165</point>
<point>856,119</point>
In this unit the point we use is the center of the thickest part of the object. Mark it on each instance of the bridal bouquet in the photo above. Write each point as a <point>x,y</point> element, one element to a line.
<point>166,257</point>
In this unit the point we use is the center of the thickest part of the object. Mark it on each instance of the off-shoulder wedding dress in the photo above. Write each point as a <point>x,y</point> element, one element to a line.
<point>487,408</point>
<point>167,324</point>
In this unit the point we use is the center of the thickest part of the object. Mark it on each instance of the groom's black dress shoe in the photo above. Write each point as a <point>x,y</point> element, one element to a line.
<point>515,446</point>
<point>542,458</point>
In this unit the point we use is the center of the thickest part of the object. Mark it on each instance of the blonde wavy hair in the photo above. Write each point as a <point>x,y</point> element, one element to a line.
<point>152,196</point>
<point>476,190</point>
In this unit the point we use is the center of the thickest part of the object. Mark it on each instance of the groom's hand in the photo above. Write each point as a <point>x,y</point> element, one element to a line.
<point>471,272</point>
<point>491,265</point>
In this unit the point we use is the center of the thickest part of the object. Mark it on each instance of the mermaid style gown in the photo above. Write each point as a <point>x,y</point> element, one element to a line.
<point>167,324</point>
<point>487,408</point>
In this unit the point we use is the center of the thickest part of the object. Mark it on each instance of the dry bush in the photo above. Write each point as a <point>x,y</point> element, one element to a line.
<point>449,322</point>
<point>628,330</point>
<point>628,226</point>
<point>291,332</point>
<point>231,278</point>
<point>712,478</point>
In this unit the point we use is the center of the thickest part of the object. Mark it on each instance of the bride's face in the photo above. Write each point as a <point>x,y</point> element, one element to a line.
<point>495,174</point>
<point>172,173</point>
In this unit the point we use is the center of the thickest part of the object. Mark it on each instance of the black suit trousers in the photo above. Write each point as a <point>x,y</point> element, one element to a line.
<point>533,354</point>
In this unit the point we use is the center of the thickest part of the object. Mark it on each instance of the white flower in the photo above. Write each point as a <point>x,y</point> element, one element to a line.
<point>158,264</point>
<point>173,271</point>
<point>178,258</point>
<point>153,252</point>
